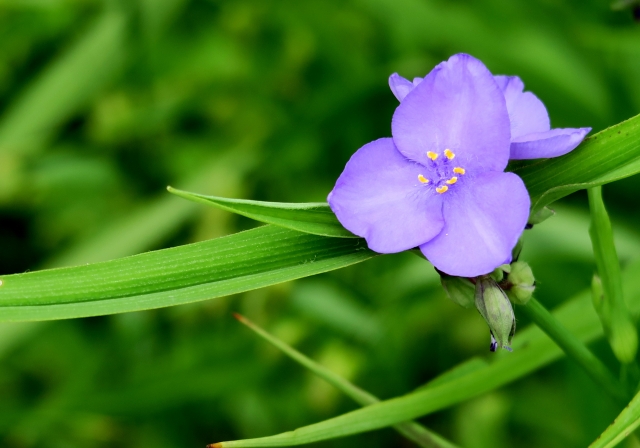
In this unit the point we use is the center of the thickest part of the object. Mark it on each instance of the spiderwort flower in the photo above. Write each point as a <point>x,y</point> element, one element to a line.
<point>531,133</point>
<point>438,183</point>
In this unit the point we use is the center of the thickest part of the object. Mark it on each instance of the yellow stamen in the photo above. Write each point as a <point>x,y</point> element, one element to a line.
<point>442,189</point>
<point>453,180</point>
<point>423,179</point>
<point>432,155</point>
<point>459,170</point>
<point>449,154</point>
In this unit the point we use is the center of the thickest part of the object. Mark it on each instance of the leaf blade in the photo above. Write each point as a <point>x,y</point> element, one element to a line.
<point>607,156</point>
<point>222,266</point>
<point>314,217</point>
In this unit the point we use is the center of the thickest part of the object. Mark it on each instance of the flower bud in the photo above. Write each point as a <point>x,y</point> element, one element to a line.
<point>496,309</point>
<point>522,283</point>
<point>458,289</point>
<point>541,215</point>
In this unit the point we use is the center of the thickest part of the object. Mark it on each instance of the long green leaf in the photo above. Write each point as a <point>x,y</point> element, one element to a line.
<point>313,217</point>
<point>214,268</point>
<point>412,430</point>
<point>532,350</point>
<point>605,157</point>
<point>622,426</point>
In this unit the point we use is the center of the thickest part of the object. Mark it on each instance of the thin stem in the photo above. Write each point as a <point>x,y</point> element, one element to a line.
<point>575,350</point>
<point>410,429</point>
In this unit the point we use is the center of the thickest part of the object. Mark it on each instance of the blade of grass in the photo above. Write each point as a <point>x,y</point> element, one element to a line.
<point>532,350</point>
<point>412,430</point>
<point>315,217</point>
<point>622,426</point>
<point>222,266</point>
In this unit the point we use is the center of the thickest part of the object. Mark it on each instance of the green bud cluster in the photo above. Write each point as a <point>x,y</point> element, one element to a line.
<point>520,283</point>
<point>492,295</point>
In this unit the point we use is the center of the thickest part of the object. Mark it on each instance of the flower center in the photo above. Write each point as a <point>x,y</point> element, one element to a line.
<point>446,174</point>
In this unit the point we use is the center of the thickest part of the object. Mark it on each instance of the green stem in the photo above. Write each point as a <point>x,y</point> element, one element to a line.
<point>608,301</point>
<point>575,350</point>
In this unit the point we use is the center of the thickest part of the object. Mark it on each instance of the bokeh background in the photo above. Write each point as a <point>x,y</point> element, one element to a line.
<point>105,103</point>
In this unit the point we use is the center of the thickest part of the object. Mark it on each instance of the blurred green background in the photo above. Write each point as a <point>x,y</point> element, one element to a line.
<point>105,103</point>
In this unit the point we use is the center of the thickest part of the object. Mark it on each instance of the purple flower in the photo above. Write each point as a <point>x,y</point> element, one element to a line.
<point>438,183</point>
<point>531,133</point>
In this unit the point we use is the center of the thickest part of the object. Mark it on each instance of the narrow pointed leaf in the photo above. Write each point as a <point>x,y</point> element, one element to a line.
<point>313,217</point>
<point>240,262</point>
<point>622,426</point>
<point>412,430</point>
<point>605,157</point>
<point>616,319</point>
<point>532,350</point>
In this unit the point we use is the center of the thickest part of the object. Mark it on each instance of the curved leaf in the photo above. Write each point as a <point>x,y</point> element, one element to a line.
<point>240,262</point>
<point>605,157</point>
<point>313,217</point>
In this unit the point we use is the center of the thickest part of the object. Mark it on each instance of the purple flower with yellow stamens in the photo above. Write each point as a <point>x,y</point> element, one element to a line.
<point>439,183</point>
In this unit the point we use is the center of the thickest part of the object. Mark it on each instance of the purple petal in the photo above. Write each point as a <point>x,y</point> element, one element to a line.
<point>553,143</point>
<point>483,222</point>
<point>458,106</point>
<point>378,197</point>
<point>526,112</point>
<point>400,86</point>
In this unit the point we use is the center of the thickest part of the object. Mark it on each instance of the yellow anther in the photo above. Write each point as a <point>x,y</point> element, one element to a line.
<point>453,180</point>
<point>449,154</point>
<point>423,179</point>
<point>442,189</point>
<point>432,155</point>
<point>459,170</point>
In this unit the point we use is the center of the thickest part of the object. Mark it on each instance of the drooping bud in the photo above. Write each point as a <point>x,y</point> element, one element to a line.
<point>522,283</point>
<point>495,307</point>
<point>458,289</point>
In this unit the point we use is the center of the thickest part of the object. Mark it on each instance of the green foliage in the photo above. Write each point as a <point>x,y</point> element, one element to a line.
<point>105,103</point>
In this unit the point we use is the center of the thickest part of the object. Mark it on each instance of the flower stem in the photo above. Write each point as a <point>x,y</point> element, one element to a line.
<point>608,299</point>
<point>575,350</point>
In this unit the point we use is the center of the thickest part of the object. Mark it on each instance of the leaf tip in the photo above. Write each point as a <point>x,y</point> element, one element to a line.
<point>240,317</point>
<point>214,445</point>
